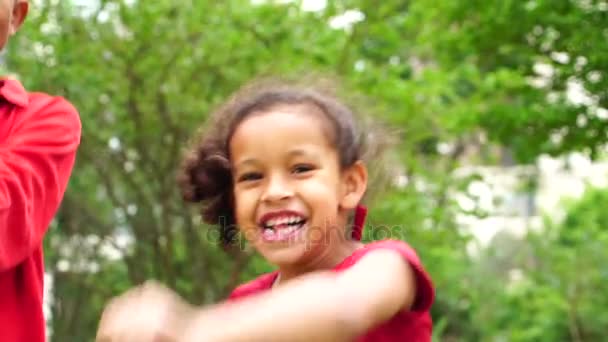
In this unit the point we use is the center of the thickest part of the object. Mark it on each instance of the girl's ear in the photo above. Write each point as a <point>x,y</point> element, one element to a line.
<point>354,185</point>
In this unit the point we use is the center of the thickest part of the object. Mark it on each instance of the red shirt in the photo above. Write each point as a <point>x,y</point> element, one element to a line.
<point>413,325</point>
<point>39,135</point>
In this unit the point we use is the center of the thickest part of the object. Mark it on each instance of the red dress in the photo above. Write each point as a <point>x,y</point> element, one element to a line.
<point>413,325</point>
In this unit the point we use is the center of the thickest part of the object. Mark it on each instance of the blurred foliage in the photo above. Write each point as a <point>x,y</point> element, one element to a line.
<point>555,280</point>
<point>475,82</point>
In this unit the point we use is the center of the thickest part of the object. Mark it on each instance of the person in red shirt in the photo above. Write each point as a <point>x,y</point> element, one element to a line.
<point>286,167</point>
<point>39,135</point>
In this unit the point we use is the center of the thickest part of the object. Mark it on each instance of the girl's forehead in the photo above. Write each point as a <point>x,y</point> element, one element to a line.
<point>278,131</point>
<point>293,118</point>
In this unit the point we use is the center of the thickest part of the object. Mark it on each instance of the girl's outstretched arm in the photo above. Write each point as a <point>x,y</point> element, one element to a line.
<point>317,307</point>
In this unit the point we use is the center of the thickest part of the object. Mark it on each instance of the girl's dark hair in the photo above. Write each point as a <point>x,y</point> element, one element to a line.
<point>205,174</point>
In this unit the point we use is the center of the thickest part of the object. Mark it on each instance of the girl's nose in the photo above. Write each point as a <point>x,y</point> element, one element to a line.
<point>277,190</point>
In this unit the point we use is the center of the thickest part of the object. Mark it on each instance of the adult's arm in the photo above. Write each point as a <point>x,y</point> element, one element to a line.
<point>36,160</point>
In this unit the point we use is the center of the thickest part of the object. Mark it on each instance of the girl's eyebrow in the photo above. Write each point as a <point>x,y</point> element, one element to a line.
<point>247,161</point>
<point>308,153</point>
<point>301,151</point>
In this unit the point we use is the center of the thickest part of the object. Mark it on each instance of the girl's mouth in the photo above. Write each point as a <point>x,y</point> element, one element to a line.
<point>282,228</point>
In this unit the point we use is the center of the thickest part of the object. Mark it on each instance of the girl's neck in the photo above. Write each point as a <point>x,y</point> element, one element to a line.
<point>327,260</point>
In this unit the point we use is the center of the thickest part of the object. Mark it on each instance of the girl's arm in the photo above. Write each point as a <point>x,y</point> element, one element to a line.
<point>322,306</point>
<point>319,307</point>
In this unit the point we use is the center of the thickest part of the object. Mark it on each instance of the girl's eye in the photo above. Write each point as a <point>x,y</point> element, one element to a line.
<point>302,168</point>
<point>250,176</point>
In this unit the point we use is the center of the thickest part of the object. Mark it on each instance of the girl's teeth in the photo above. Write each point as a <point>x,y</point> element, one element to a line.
<point>281,234</point>
<point>282,221</point>
<point>284,232</point>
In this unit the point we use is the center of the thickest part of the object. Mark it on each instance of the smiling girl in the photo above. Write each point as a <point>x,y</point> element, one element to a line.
<point>286,167</point>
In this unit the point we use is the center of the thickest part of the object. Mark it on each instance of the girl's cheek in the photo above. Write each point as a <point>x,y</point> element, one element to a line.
<point>245,205</point>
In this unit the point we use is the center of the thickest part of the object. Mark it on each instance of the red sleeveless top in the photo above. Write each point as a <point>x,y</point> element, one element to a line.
<point>413,325</point>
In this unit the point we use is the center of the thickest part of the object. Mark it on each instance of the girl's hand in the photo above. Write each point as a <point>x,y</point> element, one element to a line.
<point>150,313</point>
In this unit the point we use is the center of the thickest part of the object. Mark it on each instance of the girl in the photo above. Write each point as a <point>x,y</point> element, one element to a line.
<point>284,166</point>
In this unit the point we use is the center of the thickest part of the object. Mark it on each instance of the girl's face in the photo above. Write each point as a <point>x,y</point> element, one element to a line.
<point>290,193</point>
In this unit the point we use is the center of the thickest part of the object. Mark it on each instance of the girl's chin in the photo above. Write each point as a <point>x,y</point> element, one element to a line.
<point>284,254</point>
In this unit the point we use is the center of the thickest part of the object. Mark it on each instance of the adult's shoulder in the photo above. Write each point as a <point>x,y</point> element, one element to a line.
<point>54,112</point>
<point>47,103</point>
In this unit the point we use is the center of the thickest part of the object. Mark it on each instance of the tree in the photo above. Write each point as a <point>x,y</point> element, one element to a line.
<point>531,68</point>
